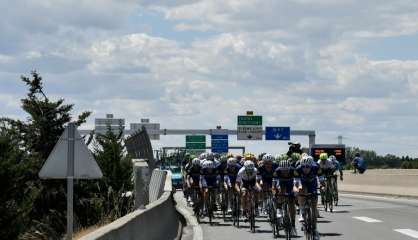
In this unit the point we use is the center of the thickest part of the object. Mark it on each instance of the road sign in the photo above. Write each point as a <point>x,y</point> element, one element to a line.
<point>250,120</point>
<point>148,126</point>
<point>195,143</point>
<point>277,133</point>
<point>219,143</point>
<point>70,159</point>
<point>195,138</point>
<point>56,166</point>
<point>250,128</point>
<point>102,125</point>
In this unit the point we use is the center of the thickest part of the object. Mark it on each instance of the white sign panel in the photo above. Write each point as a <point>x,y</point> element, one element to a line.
<point>149,127</point>
<point>85,166</point>
<point>250,132</point>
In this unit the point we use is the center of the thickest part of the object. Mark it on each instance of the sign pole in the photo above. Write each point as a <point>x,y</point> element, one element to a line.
<point>70,180</point>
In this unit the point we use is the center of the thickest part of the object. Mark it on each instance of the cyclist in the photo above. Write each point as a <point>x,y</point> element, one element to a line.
<point>230,176</point>
<point>295,159</point>
<point>209,178</point>
<point>283,184</point>
<point>202,157</point>
<point>327,171</point>
<point>306,182</point>
<point>193,177</point>
<point>265,174</point>
<point>359,163</point>
<point>337,166</point>
<point>247,181</point>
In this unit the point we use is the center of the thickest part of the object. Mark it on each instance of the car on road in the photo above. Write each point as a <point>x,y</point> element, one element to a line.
<point>176,176</point>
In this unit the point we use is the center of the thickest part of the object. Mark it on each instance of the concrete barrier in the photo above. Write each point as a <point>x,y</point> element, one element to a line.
<point>393,182</point>
<point>159,220</point>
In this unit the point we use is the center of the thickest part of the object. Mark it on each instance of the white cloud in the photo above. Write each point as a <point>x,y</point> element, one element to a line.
<point>296,62</point>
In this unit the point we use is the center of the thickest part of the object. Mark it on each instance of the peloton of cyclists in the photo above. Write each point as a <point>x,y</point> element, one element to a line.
<point>293,175</point>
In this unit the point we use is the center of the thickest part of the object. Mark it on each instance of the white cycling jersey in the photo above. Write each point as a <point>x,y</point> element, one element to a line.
<point>244,176</point>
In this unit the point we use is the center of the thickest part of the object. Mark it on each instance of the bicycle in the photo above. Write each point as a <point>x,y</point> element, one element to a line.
<point>334,189</point>
<point>286,224</point>
<point>236,208</point>
<point>329,196</point>
<point>252,210</point>
<point>309,226</point>
<point>209,203</point>
<point>224,202</point>
<point>197,202</point>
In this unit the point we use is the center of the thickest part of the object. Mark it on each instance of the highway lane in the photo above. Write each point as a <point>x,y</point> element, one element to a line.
<point>358,217</point>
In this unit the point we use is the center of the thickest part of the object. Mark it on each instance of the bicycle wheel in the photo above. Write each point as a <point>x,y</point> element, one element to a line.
<point>209,206</point>
<point>238,208</point>
<point>287,225</point>
<point>197,204</point>
<point>330,200</point>
<point>335,187</point>
<point>273,220</point>
<point>234,210</point>
<point>224,204</point>
<point>252,213</point>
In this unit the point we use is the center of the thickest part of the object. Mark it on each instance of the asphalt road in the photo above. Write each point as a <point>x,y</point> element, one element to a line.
<point>358,217</point>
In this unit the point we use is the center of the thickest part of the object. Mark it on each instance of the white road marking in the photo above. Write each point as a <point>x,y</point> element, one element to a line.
<point>367,219</point>
<point>408,232</point>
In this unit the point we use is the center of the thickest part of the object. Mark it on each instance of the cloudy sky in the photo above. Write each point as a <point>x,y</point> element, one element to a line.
<point>338,67</point>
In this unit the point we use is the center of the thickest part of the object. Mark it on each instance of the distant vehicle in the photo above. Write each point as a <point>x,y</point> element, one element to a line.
<point>176,176</point>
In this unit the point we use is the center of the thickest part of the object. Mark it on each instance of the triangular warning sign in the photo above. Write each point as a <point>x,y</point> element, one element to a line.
<point>85,166</point>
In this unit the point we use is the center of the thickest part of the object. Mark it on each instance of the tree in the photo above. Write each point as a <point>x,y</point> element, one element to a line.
<point>36,137</point>
<point>103,200</point>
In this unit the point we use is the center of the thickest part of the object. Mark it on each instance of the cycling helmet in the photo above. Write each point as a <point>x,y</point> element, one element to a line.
<point>210,156</point>
<point>311,160</point>
<point>203,156</point>
<point>357,154</point>
<point>306,162</point>
<point>248,156</point>
<point>295,156</point>
<point>196,162</point>
<point>231,161</point>
<point>249,165</point>
<point>304,155</point>
<point>217,155</point>
<point>285,164</point>
<point>323,156</point>
<point>229,155</point>
<point>223,159</point>
<point>260,157</point>
<point>208,164</point>
<point>332,158</point>
<point>268,158</point>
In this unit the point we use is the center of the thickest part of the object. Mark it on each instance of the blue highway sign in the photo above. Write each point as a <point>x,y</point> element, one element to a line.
<point>277,133</point>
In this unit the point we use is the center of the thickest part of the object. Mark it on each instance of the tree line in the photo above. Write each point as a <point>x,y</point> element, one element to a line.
<point>373,160</point>
<point>34,208</point>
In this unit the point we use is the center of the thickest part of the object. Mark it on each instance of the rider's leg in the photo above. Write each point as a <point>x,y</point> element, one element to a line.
<point>301,201</point>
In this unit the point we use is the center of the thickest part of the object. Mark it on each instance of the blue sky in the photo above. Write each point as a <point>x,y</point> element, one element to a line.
<point>338,67</point>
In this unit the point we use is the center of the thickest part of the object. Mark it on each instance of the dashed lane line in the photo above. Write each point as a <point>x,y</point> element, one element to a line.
<point>368,220</point>
<point>408,232</point>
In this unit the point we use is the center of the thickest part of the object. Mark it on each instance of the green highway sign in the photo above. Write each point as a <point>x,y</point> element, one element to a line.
<point>196,143</point>
<point>250,127</point>
<point>199,146</point>
<point>196,138</point>
<point>250,120</point>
